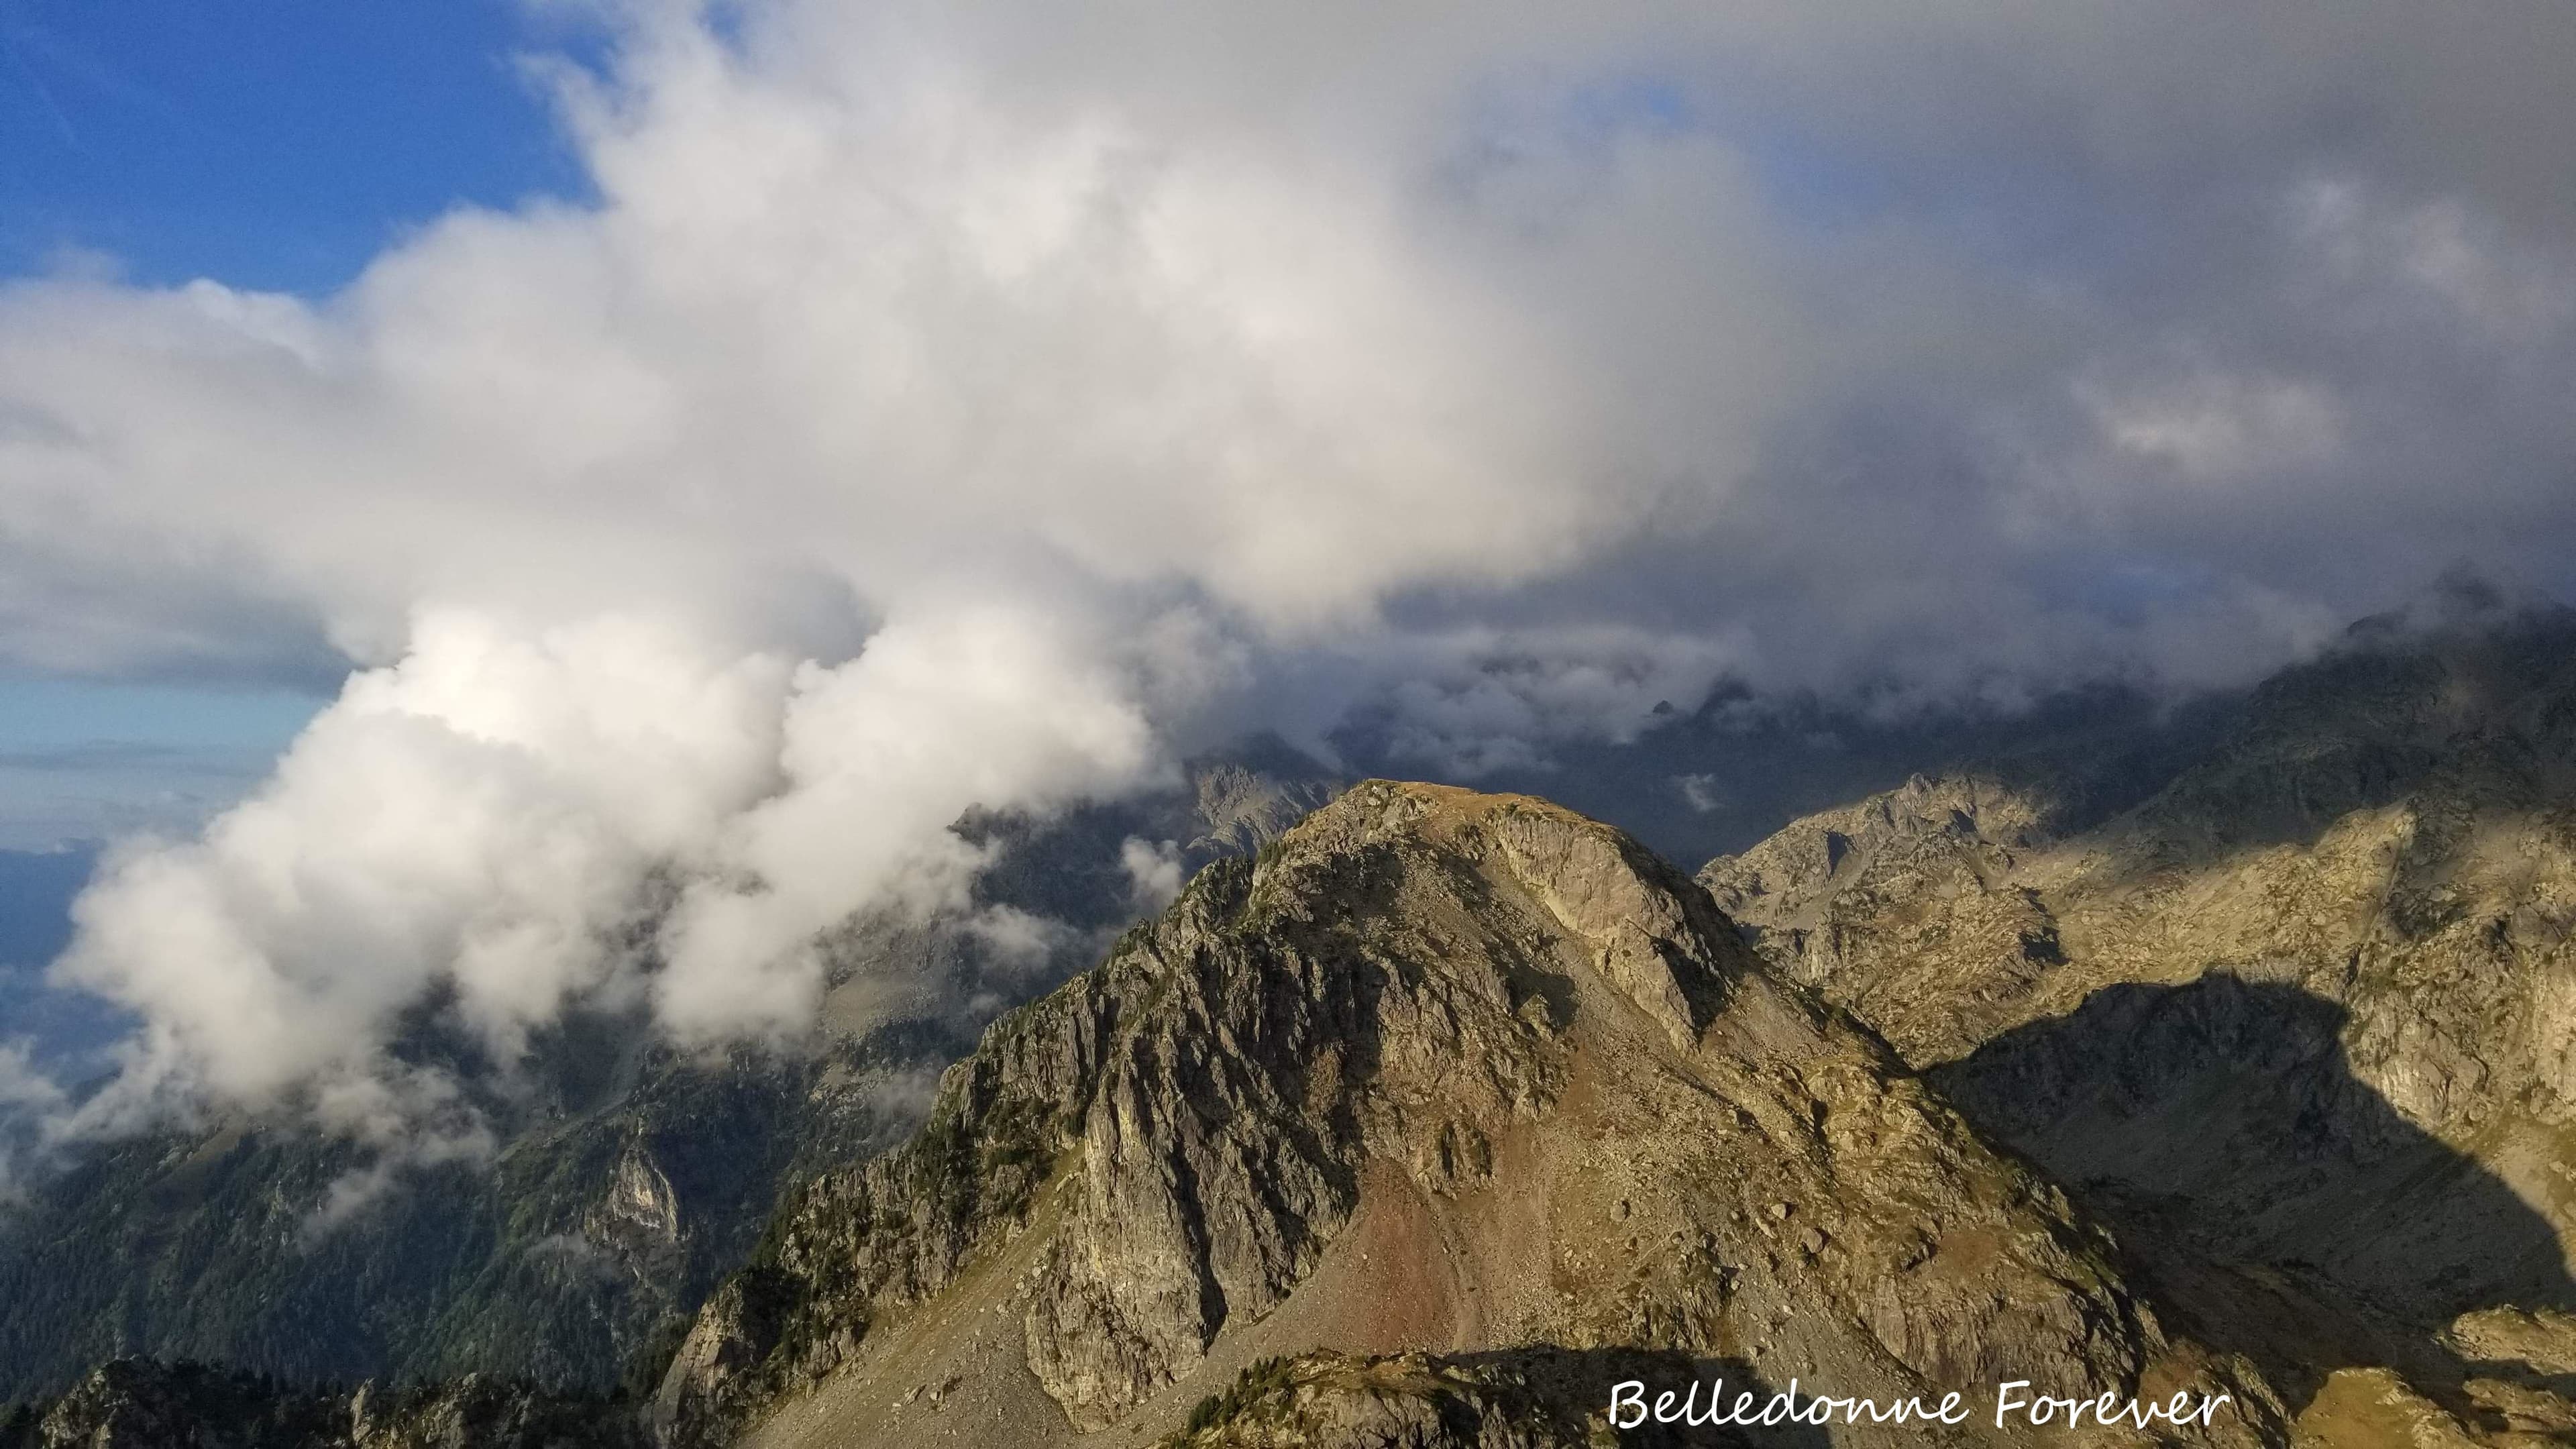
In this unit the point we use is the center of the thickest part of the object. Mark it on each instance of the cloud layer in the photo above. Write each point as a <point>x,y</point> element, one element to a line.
<point>974,404</point>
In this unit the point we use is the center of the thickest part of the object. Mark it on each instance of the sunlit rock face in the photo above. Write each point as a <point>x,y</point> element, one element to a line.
<point>2297,1026</point>
<point>1439,1072</point>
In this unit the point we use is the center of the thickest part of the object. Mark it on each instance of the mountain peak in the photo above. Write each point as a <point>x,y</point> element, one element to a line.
<point>1439,1072</point>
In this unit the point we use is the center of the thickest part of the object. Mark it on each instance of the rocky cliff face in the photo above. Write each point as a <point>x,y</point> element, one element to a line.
<point>628,1180</point>
<point>2298,1025</point>
<point>1438,1074</point>
<point>607,1211</point>
<point>1442,1113</point>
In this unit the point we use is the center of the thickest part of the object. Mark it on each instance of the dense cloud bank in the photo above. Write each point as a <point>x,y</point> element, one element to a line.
<point>948,405</point>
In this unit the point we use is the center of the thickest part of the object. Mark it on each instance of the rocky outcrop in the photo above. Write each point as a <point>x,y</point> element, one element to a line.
<point>1249,801</point>
<point>2398,811</point>
<point>1438,1073</point>
<point>1832,894</point>
<point>2297,1025</point>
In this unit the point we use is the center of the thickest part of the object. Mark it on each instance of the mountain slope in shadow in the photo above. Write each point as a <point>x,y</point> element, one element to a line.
<point>2219,1128</point>
<point>2301,1024</point>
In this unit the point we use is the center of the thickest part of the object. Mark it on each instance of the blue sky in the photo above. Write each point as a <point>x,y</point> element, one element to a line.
<point>86,760</point>
<point>271,144</point>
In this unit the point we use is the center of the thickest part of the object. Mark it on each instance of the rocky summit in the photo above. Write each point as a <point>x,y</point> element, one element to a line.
<point>2236,1066</point>
<point>1426,1127</point>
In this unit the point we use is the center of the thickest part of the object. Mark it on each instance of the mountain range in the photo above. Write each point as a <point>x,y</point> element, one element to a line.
<point>2116,1047</point>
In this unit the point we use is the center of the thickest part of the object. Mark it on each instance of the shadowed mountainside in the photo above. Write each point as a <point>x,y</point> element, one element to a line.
<point>2284,1206</point>
<point>2298,1025</point>
<point>137,1405</point>
<point>1443,1110</point>
<point>628,1177</point>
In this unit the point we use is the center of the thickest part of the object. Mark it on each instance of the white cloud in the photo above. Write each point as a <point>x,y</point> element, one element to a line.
<point>881,755</point>
<point>28,1099</point>
<point>2218,428</point>
<point>478,818</point>
<point>1153,871</point>
<point>1471,701</point>
<point>1700,791</point>
<point>970,404</point>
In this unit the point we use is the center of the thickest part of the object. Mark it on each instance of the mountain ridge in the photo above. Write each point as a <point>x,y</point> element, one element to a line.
<point>216,1242</point>
<point>2295,1024</point>
<point>1417,995</point>
<point>1425,1120</point>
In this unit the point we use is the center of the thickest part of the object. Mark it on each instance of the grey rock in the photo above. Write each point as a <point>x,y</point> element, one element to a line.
<point>1484,1021</point>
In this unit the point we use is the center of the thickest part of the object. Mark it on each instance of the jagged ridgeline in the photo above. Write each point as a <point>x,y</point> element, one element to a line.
<point>629,1179</point>
<point>2301,1027</point>
<point>1428,1121</point>
<point>1450,1111</point>
<point>1437,1073</point>
<point>552,1262</point>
